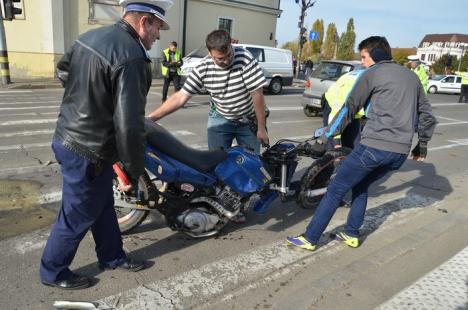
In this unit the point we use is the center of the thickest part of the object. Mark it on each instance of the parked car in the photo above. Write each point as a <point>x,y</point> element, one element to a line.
<point>450,84</point>
<point>327,72</point>
<point>276,64</point>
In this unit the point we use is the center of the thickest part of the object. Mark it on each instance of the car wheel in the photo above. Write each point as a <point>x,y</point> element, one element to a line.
<point>309,112</point>
<point>432,89</point>
<point>276,86</point>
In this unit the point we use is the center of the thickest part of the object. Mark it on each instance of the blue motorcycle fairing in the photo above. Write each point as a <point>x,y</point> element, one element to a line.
<point>169,170</point>
<point>242,171</point>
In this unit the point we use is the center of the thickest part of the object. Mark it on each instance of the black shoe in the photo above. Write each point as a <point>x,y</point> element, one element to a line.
<point>129,265</point>
<point>75,282</point>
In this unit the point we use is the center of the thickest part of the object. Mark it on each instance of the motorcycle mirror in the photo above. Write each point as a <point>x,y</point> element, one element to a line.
<point>319,132</point>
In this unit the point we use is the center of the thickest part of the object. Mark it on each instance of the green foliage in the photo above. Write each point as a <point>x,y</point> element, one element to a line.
<point>331,40</point>
<point>347,42</point>
<point>400,56</point>
<point>292,46</point>
<point>316,46</point>
<point>438,67</point>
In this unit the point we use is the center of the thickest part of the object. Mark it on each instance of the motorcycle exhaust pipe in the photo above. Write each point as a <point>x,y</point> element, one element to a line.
<point>217,206</point>
<point>316,192</point>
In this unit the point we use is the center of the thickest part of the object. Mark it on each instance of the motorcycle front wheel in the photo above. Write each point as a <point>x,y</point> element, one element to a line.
<point>129,218</point>
<point>318,175</point>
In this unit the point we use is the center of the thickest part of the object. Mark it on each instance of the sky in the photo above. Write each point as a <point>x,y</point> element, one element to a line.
<point>403,22</point>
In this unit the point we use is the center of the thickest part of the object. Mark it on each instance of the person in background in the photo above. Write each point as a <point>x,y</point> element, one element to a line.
<point>170,68</point>
<point>464,86</point>
<point>418,68</point>
<point>395,104</point>
<point>106,75</point>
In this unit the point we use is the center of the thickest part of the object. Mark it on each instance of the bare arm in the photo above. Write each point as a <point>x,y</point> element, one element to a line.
<point>175,102</point>
<point>259,107</point>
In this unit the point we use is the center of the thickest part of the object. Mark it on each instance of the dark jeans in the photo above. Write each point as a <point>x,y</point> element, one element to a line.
<point>175,78</point>
<point>358,171</point>
<point>463,93</point>
<point>221,133</point>
<point>87,203</point>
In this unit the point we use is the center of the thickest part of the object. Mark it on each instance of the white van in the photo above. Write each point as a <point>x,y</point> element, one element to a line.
<point>276,64</point>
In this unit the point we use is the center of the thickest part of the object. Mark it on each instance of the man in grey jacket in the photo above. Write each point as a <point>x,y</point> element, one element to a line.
<point>395,104</point>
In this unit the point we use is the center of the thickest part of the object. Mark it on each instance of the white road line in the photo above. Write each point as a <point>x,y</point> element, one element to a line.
<point>30,108</point>
<point>26,133</point>
<point>29,122</point>
<point>183,133</point>
<point>284,108</point>
<point>456,143</point>
<point>29,114</point>
<point>2,92</point>
<point>291,122</point>
<point>446,104</point>
<point>27,169</point>
<point>443,288</point>
<point>453,123</point>
<point>24,146</point>
<point>449,119</point>
<point>29,102</point>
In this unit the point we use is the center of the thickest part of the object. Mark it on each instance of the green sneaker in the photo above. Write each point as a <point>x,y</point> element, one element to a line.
<point>301,242</point>
<point>348,240</point>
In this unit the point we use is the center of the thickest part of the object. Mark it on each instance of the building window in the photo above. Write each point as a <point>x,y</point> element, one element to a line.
<point>225,24</point>
<point>104,12</point>
<point>423,57</point>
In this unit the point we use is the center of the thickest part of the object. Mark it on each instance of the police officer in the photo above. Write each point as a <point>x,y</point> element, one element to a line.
<point>418,68</point>
<point>464,86</point>
<point>107,76</point>
<point>170,68</point>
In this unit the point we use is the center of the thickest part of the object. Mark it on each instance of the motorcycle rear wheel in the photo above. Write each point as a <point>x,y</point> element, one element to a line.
<point>318,175</point>
<point>128,218</point>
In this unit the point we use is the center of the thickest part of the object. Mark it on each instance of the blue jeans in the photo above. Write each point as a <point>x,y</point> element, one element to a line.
<point>221,133</point>
<point>87,203</point>
<point>357,172</point>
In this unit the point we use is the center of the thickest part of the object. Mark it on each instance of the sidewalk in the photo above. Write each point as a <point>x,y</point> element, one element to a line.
<point>50,83</point>
<point>55,83</point>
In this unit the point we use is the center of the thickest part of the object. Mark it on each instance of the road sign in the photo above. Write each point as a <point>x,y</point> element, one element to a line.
<point>313,36</point>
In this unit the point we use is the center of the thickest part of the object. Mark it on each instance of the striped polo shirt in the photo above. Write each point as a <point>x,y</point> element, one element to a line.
<point>229,87</point>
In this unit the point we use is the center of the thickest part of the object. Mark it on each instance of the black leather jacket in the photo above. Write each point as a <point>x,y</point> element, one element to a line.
<point>107,76</point>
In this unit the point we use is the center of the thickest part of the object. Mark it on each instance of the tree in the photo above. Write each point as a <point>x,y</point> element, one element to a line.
<point>330,44</point>
<point>400,55</point>
<point>347,41</point>
<point>316,46</point>
<point>438,67</point>
<point>292,46</point>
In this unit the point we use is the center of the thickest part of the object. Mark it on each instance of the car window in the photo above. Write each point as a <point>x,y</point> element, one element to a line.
<point>449,79</point>
<point>437,77</point>
<point>331,71</point>
<point>257,53</point>
<point>459,79</point>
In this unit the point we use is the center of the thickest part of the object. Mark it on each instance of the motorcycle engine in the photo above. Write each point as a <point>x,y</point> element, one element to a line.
<point>229,199</point>
<point>198,220</point>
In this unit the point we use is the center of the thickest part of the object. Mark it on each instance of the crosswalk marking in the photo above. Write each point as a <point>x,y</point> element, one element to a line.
<point>29,122</point>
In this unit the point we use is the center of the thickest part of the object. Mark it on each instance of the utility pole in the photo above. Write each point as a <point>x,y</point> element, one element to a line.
<point>4,67</point>
<point>305,4</point>
<point>461,56</point>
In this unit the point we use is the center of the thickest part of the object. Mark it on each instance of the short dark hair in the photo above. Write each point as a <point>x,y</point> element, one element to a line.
<point>374,42</point>
<point>174,43</point>
<point>137,15</point>
<point>218,40</point>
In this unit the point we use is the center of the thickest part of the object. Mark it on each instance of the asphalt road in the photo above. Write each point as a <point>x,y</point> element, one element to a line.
<point>416,221</point>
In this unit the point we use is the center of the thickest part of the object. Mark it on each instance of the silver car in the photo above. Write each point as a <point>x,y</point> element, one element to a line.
<point>320,80</point>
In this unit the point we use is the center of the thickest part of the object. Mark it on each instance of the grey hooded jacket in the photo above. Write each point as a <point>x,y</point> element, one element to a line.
<point>395,104</point>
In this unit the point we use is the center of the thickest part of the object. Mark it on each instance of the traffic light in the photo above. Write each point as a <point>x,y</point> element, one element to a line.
<point>10,10</point>
<point>303,41</point>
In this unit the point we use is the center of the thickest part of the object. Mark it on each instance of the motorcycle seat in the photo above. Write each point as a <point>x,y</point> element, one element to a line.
<point>160,138</point>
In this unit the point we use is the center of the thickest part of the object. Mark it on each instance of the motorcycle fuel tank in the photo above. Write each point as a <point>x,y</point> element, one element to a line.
<point>242,171</point>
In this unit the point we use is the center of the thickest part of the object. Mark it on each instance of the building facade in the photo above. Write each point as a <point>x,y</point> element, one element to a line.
<point>46,28</point>
<point>433,46</point>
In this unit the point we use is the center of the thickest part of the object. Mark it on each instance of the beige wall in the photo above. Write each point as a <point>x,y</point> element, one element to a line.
<point>242,30</point>
<point>36,43</point>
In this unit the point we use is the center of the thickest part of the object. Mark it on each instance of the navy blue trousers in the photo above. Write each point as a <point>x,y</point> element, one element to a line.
<point>87,203</point>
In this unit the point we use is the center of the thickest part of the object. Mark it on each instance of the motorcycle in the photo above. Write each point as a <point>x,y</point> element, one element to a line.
<point>200,192</point>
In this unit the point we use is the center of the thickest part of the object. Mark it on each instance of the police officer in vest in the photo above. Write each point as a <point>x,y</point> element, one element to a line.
<point>464,86</point>
<point>418,68</point>
<point>170,68</point>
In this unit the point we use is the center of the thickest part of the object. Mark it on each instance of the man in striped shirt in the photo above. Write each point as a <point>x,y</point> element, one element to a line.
<point>235,81</point>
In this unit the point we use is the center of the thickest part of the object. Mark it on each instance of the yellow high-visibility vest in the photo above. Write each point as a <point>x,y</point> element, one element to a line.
<point>464,76</point>
<point>421,73</point>
<point>177,57</point>
<point>337,94</point>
